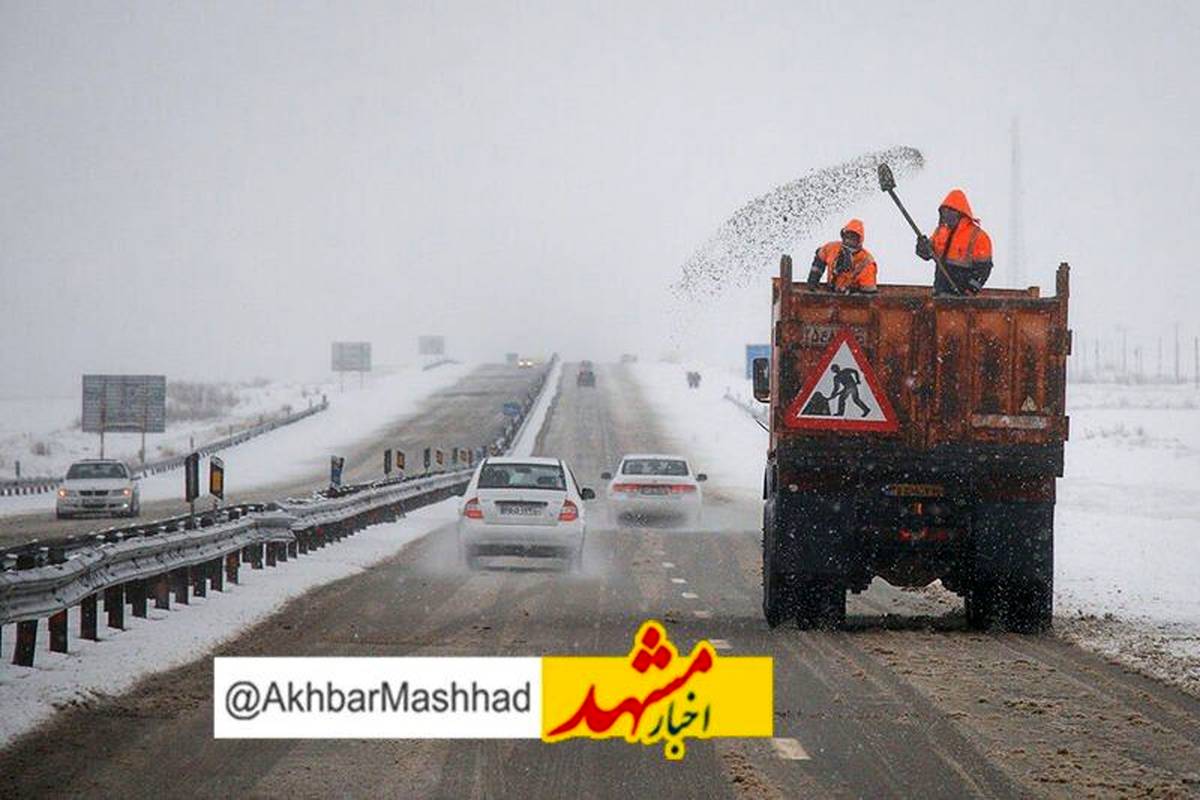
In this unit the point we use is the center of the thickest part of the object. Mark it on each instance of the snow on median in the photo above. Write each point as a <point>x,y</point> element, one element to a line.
<point>168,639</point>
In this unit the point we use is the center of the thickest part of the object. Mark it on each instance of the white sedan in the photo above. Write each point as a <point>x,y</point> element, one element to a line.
<point>98,486</point>
<point>648,486</point>
<point>525,507</point>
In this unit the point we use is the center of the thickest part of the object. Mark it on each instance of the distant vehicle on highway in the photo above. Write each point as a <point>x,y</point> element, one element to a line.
<point>628,358</point>
<point>586,376</point>
<point>526,362</point>
<point>524,507</point>
<point>98,486</point>
<point>648,487</point>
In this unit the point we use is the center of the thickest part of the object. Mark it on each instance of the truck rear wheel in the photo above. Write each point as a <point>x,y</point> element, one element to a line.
<point>1013,582</point>
<point>779,588</point>
<point>779,597</point>
<point>1028,605</point>
<point>821,605</point>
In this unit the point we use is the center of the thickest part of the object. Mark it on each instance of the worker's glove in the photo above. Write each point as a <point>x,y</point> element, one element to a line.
<point>924,248</point>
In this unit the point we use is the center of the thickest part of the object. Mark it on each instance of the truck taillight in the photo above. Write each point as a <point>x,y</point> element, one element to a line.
<point>682,488</point>
<point>472,509</point>
<point>626,488</point>
<point>569,513</point>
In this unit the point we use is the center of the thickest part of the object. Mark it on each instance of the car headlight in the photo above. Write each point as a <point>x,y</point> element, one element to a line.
<point>63,493</point>
<point>127,492</point>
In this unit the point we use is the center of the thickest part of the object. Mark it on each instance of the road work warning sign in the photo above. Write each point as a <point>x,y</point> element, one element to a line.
<point>842,393</point>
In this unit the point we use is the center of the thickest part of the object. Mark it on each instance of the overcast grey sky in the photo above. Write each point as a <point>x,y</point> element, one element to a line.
<point>220,189</point>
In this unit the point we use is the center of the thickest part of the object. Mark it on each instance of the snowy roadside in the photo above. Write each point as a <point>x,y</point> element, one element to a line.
<point>1127,520</point>
<point>301,450</point>
<point>167,639</point>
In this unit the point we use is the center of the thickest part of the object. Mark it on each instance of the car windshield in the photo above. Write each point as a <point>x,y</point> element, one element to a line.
<point>100,470</point>
<point>654,466</point>
<point>522,476</point>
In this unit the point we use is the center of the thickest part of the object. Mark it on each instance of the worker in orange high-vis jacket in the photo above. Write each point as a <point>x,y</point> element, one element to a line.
<point>961,245</point>
<point>848,265</point>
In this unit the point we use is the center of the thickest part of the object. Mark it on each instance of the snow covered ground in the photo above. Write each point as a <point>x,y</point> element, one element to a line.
<point>43,434</point>
<point>167,639</point>
<point>302,449</point>
<point>1127,522</point>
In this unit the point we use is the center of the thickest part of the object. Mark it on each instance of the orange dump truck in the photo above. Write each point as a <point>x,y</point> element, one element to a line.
<point>913,438</point>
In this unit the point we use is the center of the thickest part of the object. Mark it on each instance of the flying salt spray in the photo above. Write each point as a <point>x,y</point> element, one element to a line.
<point>749,244</point>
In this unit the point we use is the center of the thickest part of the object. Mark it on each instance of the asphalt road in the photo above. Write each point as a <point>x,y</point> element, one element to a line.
<point>466,414</point>
<point>905,703</point>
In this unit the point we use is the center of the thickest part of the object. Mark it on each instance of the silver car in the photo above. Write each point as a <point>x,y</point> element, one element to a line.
<point>98,486</point>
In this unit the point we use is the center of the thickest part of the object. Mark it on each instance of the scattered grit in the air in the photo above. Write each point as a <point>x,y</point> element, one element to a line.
<point>751,241</point>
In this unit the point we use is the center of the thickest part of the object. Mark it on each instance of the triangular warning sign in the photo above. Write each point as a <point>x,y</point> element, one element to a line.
<point>842,393</point>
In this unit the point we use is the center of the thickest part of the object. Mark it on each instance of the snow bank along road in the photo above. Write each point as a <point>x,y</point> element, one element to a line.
<point>906,702</point>
<point>466,412</point>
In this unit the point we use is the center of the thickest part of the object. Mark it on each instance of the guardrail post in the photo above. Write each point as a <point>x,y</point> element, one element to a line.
<point>292,551</point>
<point>216,576</point>
<point>26,643</point>
<point>199,580</point>
<point>318,538</point>
<point>256,556</point>
<point>137,598</point>
<point>114,606</point>
<point>281,551</point>
<point>179,581</point>
<point>162,591</point>
<point>87,618</point>
<point>58,632</point>
<point>232,562</point>
<point>271,551</point>
<point>302,539</point>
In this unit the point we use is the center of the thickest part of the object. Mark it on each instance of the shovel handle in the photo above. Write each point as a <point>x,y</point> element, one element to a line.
<point>904,211</point>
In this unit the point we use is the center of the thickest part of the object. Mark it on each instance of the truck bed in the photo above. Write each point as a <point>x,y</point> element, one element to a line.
<point>974,378</point>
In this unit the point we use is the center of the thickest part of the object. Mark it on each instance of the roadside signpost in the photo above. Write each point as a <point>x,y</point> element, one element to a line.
<point>191,481</point>
<point>124,404</point>
<point>216,478</point>
<point>351,357</point>
<point>336,465</point>
<point>387,462</point>
<point>431,345</point>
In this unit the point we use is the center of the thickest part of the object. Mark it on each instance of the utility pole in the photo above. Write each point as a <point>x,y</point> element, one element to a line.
<point>1015,254</point>
<point>1125,354</point>
<point>1177,378</point>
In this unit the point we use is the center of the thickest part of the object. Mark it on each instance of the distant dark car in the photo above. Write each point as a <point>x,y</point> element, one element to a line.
<point>585,364</point>
<point>585,378</point>
<point>628,358</point>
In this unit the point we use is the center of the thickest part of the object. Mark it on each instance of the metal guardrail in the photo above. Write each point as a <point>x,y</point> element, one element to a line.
<point>131,570</point>
<point>130,566</point>
<point>20,486</point>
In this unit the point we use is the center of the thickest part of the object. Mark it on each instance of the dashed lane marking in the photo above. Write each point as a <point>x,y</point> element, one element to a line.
<point>789,749</point>
<point>678,580</point>
<point>668,565</point>
<point>690,595</point>
<point>703,614</point>
<point>720,644</point>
